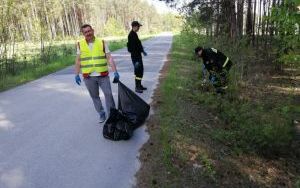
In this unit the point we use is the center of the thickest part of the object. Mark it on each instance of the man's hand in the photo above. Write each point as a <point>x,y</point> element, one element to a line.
<point>224,73</point>
<point>145,53</point>
<point>116,78</point>
<point>77,79</point>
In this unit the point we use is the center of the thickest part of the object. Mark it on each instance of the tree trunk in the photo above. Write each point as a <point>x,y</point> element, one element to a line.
<point>249,19</point>
<point>76,25</point>
<point>240,18</point>
<point>61,24</point>
<point>233,26</point>
<point>67,26</point>
<point>45,13</point>
<point>217,18</point>
<point>253,23</point>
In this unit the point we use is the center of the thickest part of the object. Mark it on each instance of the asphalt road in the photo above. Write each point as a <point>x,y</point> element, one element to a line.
<point>50,136</point>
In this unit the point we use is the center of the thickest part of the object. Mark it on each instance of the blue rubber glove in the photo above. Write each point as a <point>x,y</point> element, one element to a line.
<point>145,53</point>
<point>77,79</point>
<point>213,79</point>
<point>116,78</point>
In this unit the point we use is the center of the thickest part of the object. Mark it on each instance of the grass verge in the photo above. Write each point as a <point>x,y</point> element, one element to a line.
<point>198,139</point>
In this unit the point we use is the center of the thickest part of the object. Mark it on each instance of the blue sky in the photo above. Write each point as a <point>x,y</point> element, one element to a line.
<point>160,6</point>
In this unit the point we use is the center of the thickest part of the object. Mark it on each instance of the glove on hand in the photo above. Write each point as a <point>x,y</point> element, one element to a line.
<point>77,79</point>
<point>213,79</point>
<point>116,78</point>
<point>145,53</point>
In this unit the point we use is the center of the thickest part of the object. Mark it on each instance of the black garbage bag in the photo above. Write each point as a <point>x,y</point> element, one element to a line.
<point>132,106</point>
<point>117,126</point>
<point>131,113</point>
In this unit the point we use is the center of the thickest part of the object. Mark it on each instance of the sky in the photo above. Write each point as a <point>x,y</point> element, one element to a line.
<point>161,6</point>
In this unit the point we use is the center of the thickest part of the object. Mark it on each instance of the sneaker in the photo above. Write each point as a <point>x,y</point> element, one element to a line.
<point>102,117</point>
<point>138,90</point>
<point>143,88</point>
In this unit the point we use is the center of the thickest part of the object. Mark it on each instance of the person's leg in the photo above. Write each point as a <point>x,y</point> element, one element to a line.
<point>216,82</point>
<point>224,78</point>
<point>93,89</point>
<point>138,72</point>
<point>105,86</point>
<point>221,84</point>
<point>135,66</point>
<point>141,73</point>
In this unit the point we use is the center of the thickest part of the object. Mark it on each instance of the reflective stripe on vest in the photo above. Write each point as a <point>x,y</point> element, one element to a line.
<point>227,59</point>
<point>92,61</point>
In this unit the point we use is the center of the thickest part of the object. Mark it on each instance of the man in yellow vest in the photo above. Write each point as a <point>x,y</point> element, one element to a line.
<point>92,57</point>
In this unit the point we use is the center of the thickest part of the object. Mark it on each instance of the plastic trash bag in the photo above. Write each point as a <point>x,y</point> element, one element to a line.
<point>117,127</point>
<point>131,113</point>
<point>132,106</point>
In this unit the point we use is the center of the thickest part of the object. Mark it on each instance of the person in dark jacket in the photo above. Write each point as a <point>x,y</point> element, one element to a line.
<point>218,66</point>
<point>136,49</point>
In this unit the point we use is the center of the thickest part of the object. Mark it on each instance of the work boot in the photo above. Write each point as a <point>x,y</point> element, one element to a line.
<point>139,90</point>
<point>102,117</point>
<point>143,88</point>
<point>138,86</point>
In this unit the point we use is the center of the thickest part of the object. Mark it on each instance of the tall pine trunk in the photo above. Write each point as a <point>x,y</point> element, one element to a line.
<point>240,17</point>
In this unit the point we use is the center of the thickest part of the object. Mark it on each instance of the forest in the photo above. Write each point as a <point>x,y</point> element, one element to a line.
<point>34,32</point>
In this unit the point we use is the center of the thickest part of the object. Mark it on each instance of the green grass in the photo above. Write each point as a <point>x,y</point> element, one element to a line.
<point>174,135</point>
<point>193,121</point>
<point>256,119</point>
<point>24,76</point>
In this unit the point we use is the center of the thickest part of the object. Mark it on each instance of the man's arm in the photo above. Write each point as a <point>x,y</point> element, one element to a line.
<point>139,44</point>
<point>77,59</point>
<point>77,65</point>
<point>109,58</point>
<point>113,67</point>
<point>111,62</point>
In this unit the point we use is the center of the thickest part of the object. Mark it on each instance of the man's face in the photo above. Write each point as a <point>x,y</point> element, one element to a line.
<point>136,28</point>
<point>199,54</point>
<point>88,33</point>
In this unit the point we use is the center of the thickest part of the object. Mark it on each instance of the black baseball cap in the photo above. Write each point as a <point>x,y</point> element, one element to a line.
<point>135,23</point>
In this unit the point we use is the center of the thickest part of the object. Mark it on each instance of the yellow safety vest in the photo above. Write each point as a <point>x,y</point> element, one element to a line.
<point>92,61</point>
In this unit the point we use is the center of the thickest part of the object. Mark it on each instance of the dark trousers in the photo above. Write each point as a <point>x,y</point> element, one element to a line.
<point>138,70</point>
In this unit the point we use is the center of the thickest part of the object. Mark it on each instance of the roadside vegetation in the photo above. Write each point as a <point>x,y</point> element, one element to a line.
<point>38,37</point>
<point>198,139</point>
<point>248,137</point>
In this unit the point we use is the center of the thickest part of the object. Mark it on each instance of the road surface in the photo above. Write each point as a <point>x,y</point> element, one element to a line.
<point>50,136</point>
